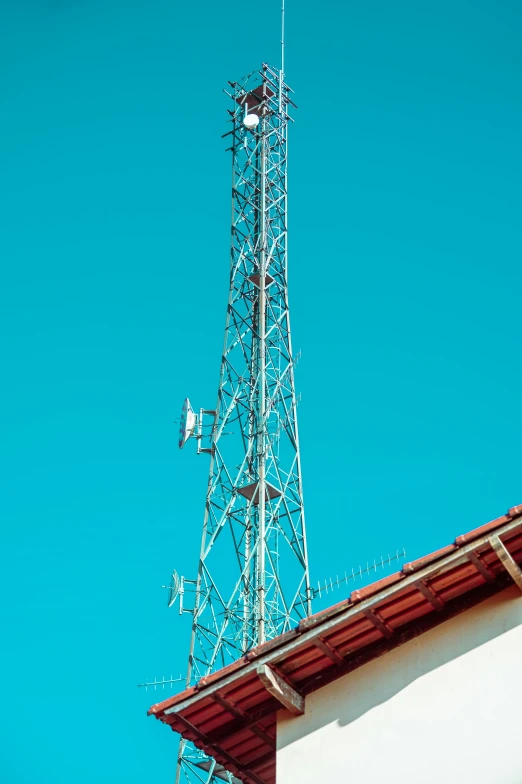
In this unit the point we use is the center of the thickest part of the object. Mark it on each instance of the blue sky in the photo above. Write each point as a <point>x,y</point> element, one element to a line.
<point>405,258</point>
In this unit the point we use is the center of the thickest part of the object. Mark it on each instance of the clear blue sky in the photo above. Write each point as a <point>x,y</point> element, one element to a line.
<point>405,255</point>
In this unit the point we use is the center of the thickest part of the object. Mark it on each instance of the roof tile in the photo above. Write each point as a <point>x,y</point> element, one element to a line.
<point>420,563</point>
<point>482,530</point>
<point>380,585</point>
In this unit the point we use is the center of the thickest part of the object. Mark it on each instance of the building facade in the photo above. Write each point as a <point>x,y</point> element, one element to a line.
<point>444,707</point>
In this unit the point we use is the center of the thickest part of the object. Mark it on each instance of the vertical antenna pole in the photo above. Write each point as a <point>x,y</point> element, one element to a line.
<point>262,388</point>
<point>282,39</point>
<point>282,71</point>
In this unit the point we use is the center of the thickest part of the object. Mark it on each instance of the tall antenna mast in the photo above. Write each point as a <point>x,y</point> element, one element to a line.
<point>282,39</point>
<point>252,582</point>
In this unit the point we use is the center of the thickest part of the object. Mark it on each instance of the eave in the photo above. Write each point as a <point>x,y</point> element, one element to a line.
<point>231,714</point>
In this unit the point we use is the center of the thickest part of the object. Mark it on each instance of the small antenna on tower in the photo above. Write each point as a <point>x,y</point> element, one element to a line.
<point>174,587</point>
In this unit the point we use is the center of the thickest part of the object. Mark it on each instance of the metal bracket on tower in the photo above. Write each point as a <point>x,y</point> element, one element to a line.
<point>205,450</point>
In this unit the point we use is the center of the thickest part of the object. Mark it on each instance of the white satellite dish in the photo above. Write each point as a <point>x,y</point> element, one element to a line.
<point>251,121</point>
<point>173,588</point>
<point>186,423</point>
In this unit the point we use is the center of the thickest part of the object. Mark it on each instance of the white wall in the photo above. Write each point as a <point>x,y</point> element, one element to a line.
<point>445,707</point>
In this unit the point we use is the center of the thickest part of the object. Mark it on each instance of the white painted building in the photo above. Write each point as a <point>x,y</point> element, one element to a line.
<point>417,677</point>
<point>444,707</point>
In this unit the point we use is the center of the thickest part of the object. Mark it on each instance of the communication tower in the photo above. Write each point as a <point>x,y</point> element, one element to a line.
<point>252,582</point>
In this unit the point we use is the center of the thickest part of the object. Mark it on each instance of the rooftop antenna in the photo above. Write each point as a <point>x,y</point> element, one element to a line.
<point>156,682</point>
<point>378,563</point>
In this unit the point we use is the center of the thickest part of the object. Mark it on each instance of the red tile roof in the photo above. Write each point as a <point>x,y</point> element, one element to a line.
<point>231,714</point>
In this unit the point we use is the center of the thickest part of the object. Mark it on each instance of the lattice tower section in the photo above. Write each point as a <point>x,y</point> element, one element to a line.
<point>253,579</point>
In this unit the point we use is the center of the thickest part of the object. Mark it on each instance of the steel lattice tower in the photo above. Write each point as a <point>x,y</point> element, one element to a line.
<point>252,582</point>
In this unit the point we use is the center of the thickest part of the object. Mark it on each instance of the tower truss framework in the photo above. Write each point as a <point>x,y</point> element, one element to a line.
<point>253,580</point>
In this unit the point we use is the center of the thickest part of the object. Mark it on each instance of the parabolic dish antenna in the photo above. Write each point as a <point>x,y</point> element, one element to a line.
<point>251,121</point>
<point>173,588</point>
<point>186,423</point>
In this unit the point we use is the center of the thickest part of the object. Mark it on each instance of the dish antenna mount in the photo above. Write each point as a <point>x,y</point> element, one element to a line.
<point>191,425</point>
<point>175,588</point>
